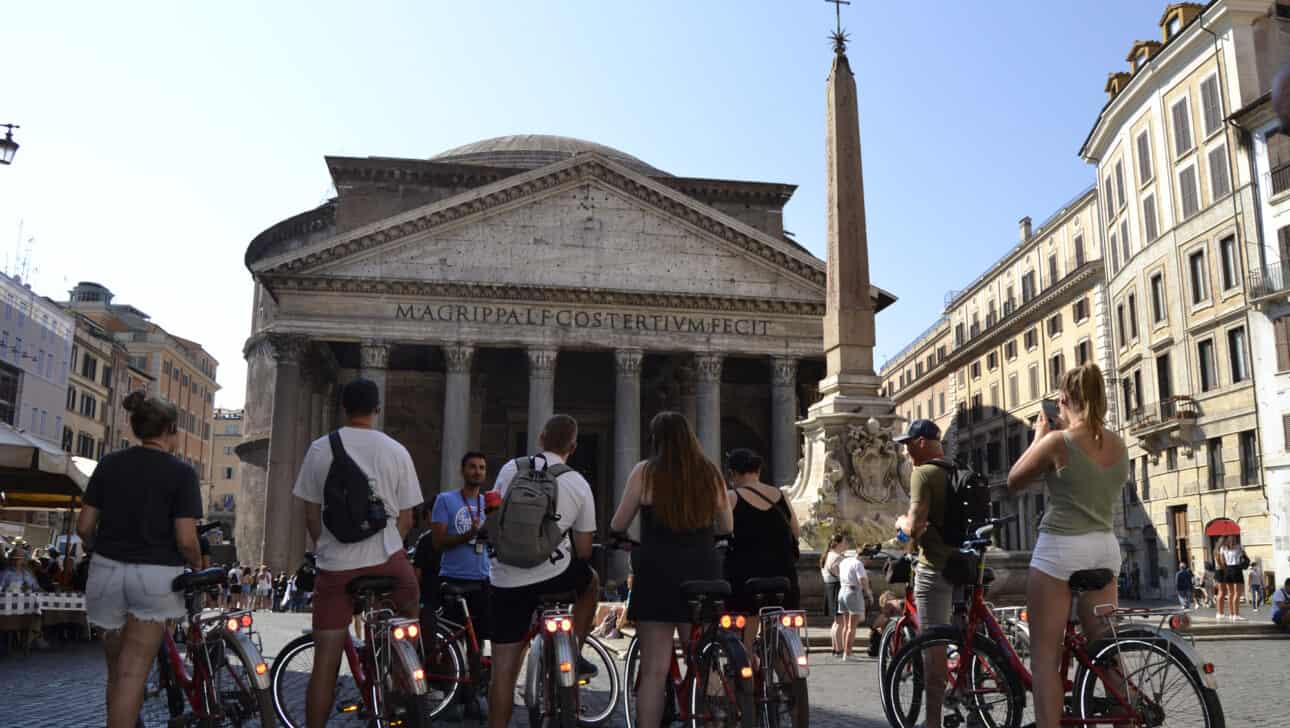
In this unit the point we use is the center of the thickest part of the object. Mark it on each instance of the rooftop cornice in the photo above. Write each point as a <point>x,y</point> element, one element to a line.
<point>731,189</point>
<point>777,254</point>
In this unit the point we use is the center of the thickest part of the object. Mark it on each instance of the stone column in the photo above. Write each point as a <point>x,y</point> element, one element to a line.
<point>310,377</point>
<point>457,359</point>
<point>707,370</point>
<point>374,358</point>
<point>284,450</point>
<point>783,420</point>
<point>541,392</point>
<point>686,402</point>
<point>627,435</point>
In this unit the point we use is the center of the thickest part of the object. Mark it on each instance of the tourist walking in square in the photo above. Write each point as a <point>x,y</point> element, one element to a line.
<point>851,600</point>
<point>829,562</point>
<point>1185,586</point>
<point>1256,584</point>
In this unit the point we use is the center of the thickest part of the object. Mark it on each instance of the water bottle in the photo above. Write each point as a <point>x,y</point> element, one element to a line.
<point>901,536</point>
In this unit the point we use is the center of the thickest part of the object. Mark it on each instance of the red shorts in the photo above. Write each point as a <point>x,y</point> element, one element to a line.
<point>333,607</point>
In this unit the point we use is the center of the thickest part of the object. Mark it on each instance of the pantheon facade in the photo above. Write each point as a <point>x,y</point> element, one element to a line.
<point>491,285</point>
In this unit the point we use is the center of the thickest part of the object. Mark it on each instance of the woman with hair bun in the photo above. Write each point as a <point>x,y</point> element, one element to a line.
<point>140,516</point>
<point>1084,466</point>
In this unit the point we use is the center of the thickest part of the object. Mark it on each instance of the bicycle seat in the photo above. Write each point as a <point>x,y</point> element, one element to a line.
<point>767,585</point>
<point>195,580</point>
<point>461,589</point>
<point>714,588</point>
<point>551,600</point>
<point>370,585</point>
<point>1091,579</point>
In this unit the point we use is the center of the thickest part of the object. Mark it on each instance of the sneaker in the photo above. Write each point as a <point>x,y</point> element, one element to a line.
<point>1238,618</point>
<point>586,669</point>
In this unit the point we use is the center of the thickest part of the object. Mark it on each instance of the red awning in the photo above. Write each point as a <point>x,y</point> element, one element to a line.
<point>1222,527</point>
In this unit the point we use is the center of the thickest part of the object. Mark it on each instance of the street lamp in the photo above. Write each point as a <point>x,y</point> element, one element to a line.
<point>8,147</point>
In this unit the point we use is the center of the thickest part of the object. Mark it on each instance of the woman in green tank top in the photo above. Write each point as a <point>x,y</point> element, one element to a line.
<point>1084,466</point>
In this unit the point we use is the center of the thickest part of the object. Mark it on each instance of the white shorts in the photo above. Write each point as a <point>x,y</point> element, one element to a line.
<point>851,601</point>
<point>115,589</point>
<point>1060,556</point>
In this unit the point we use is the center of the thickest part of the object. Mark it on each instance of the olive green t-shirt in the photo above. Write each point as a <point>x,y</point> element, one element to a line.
<point>930,483</point>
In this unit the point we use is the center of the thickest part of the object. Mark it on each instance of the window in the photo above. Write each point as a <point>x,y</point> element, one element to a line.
<point>1187,188</point>
<point>941,402</point>
<point>67,439</point>
<point>1031,338</point>
<point>71,399</point>
<point>1009,303</point>
<point>1080,310</point>
<point>1146,479</point>
<point>1157,298</point>
<point>1182,128</point>
<point>1126,391</point>
<point>1079,255</point>
<point>84,445</point>
<point>1215,451</point>
<point>1211,108</point>
<point>1014,449</point>
<point>1014,390</point>
<point>165,367</point>
<point>1199,277</point>
<point>1171,458</point>
<point>976,408</point>
<point>1249,458</point>
<point>975,329</point>
<point>1133,316</point>
<point>1220,185</point>
<point>228,450</point>
<point>1082,350</point>
<point>1231,263</point>
<point>1115,254</point>
<point>976,369</point>
<point>1055,324</point>
<point>958,335</point>
<point>228,473</point>
<point>1123,337</point>
<point>1208,367</point>
<point>1236,353</point>
<point>994,456</point>
<point>1173,26</point>
<point>992,316</point>
<point>1052,269</point>
<point>1056,367</point>
<point>89,367</point>
<point>940,354</point>
<point>1149,218</point>
<point>1010,349</point>
<point>1281,329</point>
<point>1145,173</point>
<point>1027,287</point>
<point>994,395</point>
<point>992,361</point>
<point>1119,182</point>
<point>1110,197</point>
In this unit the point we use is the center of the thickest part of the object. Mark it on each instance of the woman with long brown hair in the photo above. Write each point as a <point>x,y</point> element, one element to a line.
<point>681,499</point>
<point>1084,465</point>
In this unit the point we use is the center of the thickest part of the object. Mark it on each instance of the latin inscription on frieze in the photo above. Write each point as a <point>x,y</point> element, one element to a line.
<point>569,318</point>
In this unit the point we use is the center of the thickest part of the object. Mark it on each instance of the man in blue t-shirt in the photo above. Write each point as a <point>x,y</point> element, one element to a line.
<point>454,525</point>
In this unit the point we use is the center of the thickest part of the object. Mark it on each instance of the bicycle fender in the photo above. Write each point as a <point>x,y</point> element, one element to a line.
<point>564,655</point>
<point>251,659</point>
<point>1149,632</point>
<point>532,669</point>
<point>734,647</point>
<point>408,662</point>
<point>796,652</point>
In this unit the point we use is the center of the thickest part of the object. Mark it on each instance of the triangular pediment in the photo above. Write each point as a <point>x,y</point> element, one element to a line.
<point>584,223</point>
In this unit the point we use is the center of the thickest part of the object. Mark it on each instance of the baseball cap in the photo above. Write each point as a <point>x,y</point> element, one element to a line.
<point>919,428</point>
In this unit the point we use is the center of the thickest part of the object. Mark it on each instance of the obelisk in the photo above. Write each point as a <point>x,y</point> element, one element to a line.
<point>851,473</point>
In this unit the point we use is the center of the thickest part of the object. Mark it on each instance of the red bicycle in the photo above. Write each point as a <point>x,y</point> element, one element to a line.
<point>1142,675</point>
<point>218,677</point>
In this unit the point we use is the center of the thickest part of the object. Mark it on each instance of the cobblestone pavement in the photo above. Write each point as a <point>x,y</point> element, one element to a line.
<point>64,686</point>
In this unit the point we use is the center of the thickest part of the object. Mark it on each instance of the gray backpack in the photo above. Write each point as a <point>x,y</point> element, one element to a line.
<point>525,530</point>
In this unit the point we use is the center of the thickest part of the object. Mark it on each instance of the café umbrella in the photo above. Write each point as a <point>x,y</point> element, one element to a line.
<point>37,475</point>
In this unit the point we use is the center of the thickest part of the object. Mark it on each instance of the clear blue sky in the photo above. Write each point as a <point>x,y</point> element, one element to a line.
<point>159,138</point>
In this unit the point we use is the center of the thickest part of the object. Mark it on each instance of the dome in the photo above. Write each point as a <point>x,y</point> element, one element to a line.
<point>530,151</point>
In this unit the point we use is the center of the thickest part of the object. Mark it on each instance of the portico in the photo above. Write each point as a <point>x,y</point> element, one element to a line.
<point>591,284</point>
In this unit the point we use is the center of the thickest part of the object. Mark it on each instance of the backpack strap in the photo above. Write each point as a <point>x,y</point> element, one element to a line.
<point>337,447</point>
<point>558,469</point>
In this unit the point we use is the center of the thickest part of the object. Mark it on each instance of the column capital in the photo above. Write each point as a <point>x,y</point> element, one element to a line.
<point>707,367</point>
<point>374,355</point>
<point>627,362</point>
<point>287,348</point>
<point>542,362</point>
<point>783,371</point>
<point>458,356</point>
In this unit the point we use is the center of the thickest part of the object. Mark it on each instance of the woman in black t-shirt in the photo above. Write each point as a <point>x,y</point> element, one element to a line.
<point>140,514</point>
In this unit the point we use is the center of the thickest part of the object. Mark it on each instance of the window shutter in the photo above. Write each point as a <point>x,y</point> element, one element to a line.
<point>1282,328</point>
<point>1149,217</point>
<point>1144,158</point>
<point>1285,425</point>
<point>1210,105</point>
<point>1218,181</point>
<point>1187,185</point>
<point>1182,129</point>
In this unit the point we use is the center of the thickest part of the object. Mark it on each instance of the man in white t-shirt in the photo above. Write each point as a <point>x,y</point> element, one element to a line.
<point>394,480</point>
<point>515,591</point>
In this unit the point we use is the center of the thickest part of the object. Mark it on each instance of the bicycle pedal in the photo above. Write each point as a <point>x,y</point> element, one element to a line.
<point>345,708</point>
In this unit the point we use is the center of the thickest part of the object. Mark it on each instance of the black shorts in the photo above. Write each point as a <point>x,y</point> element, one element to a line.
<point>234,588</point>
<point>513,608</point>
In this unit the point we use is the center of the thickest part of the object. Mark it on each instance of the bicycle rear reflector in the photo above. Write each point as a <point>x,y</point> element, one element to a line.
<point>566,667</point>
<point>400,633</point>
<point>793,620</point>
<point>801,660</point>
<point>745,672</point>
<point>418,674</point>
<point>1179,622</point>
<point>246,620</point>
<point>232,624</point>
<point>413,631</point>
<point>261,668</point>
<point>738,621</point>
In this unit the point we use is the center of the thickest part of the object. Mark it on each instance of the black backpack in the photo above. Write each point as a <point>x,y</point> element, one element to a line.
<point>351,511</point>
<point>967,507</point>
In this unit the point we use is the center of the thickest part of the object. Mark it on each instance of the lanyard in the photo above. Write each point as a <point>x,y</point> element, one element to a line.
<point>474,512</point>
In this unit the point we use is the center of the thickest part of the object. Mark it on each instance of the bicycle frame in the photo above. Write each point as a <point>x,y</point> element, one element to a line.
<point>378,627</point>
<point>199,688</point>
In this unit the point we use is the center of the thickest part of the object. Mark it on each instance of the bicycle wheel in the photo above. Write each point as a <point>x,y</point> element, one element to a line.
<point>789,703</point>
<point>631,677</point>
<point>718,695</point>
<point>241,702</point>
<point>598,694</point>
<point>404,708</point>
<point>985,691</point>
<point>899,632</point>
<point>1167,684</point>
<point>162,698</point>
<point>445,670</point>
<point>289,681</point>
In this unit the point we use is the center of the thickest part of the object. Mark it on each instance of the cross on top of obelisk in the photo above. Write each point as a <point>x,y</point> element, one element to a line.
<point>839,36</point>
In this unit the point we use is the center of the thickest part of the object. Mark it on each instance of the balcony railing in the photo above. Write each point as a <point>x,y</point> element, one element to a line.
<point>1281,179</point>
<point>1275,280</point>
<point>1177,409</point>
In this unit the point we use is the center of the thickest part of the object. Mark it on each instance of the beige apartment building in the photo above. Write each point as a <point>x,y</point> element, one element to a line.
<point>1180,227</point>
<point>981,371</point>
<point>226,468</point>
<point>174,368</point>
<point>89,425</point>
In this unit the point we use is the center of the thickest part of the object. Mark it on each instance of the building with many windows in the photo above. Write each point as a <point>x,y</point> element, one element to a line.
<point>92,394</point>
<point>981,371</point>
<point>174,368</point>
<point>226,468</point>
<point>35,350</point>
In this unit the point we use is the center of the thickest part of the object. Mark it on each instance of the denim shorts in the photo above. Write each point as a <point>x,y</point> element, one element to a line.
<point>116,589</point>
